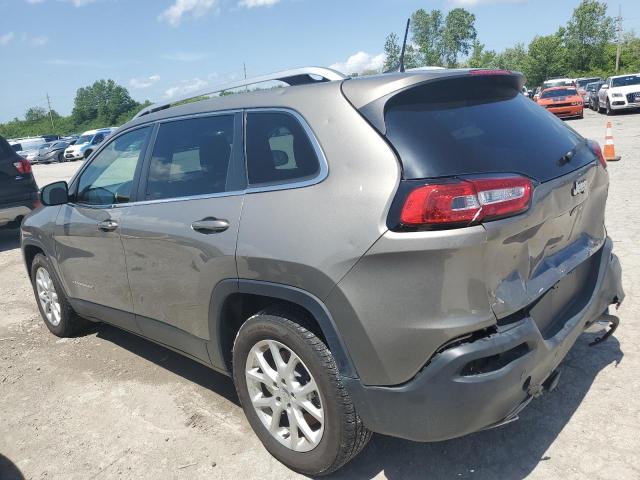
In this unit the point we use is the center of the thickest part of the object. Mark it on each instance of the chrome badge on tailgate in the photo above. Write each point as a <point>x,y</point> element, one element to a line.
<point>579,187</point>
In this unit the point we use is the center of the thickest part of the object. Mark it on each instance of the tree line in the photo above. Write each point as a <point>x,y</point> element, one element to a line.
<point>103,104</point>
<point>583,47</point>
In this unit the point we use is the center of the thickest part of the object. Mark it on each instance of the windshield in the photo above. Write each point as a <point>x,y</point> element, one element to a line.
<point>561,92</point>
<point>592,87</point>
<point>557,83</point>
<point>84,139</point>
<point>584,81</point>
<point>478,125</point>
<point>625,81</point>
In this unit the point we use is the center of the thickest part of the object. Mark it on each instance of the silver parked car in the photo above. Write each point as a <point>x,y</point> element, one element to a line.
<point>411,253</point>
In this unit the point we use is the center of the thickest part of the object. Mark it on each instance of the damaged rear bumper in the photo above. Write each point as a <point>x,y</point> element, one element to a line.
<point>483,383</point>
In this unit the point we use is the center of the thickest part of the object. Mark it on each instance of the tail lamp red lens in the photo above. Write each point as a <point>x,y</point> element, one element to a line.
<point>23,166</point>
<point>595,148</point>
<point>466,201</point>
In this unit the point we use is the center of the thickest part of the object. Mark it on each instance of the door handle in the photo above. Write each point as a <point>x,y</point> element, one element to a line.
<point>210,225</point>
<point>107,225</point>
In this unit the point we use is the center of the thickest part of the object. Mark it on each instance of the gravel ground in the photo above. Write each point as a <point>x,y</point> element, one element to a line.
<point>111,405</point>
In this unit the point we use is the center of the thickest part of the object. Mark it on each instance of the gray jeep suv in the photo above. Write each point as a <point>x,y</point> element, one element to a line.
<point>430,243</point>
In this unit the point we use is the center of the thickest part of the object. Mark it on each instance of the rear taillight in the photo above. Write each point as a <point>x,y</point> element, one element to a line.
<point>466,201</point>
<point>595,148</point>
<point>23,166</point>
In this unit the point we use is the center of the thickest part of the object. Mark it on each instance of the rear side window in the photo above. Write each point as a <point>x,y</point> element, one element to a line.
<point>475,125</point>
<point>278,149</point>
<point>191,157</point>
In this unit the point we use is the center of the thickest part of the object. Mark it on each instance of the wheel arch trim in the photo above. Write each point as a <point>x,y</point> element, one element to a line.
<point>225,288</point>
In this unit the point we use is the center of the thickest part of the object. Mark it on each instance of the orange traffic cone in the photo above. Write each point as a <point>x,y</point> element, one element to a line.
<point>609,149</point>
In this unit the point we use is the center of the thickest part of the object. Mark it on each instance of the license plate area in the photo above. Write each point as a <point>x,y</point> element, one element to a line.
<point>566,298</point>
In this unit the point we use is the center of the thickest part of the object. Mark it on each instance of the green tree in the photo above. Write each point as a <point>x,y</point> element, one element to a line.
<point>391,53</point>
<point>427,29</point>
<point>103,102</point>
<point>514,58</point>
<point>546,59</point>
<point>479,56</point>
<point>457,36</point>
<point>34,114</point>
<point>588,32</point>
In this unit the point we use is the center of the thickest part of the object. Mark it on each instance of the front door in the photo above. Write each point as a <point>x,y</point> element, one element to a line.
<point>88,245</point>
<point>180,238</point>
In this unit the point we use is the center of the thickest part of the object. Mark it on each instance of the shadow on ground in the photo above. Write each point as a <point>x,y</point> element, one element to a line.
<point>9,238</point>
<point>169,360</point>
<point>510,452</point>
<point>8,470</point>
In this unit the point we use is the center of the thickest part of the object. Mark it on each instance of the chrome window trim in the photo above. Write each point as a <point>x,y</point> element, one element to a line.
<point>323,172</point>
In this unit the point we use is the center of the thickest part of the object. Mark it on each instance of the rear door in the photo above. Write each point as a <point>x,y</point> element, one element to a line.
<point>180,239</point>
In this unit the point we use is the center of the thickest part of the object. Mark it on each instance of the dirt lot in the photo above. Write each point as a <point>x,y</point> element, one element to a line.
<point>110,405</point>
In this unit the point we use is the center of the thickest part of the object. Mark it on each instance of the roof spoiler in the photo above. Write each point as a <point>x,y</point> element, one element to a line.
<point>296,76</point>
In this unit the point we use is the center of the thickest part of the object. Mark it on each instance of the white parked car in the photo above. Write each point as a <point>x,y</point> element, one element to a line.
<point>27,147</point>
<point>87,143</point>
<point>621,92</point>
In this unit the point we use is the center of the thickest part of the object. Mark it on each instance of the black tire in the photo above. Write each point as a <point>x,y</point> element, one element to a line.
<point>87,153</point>
<point>344,434</point>
<point>60,157</point>
<point>600,109</point>
<point>70,323</point>
<point>608,110</point>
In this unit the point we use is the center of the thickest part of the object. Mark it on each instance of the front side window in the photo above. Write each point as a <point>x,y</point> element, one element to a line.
<point>278,149</point>
<point>108,179</point>
<point>191,157</point>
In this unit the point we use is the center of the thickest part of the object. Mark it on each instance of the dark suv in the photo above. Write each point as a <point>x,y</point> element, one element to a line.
<point>411,253</point>
<point>18,189</point>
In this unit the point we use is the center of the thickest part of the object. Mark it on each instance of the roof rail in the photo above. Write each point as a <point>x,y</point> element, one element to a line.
<point>296,76</point>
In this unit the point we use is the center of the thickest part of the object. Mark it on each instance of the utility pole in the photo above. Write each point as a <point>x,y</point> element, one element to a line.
<point>50,115</point>
<point>618,36</point>
<point>244,66</point>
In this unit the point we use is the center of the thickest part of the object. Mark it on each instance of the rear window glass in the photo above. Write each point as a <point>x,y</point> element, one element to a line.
<point>561,92</point>
<point>474,125</point>
<point>191,157</point>
<point>278,149</point>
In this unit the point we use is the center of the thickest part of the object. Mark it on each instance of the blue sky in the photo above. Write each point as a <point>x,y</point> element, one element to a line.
<point>161,48</point>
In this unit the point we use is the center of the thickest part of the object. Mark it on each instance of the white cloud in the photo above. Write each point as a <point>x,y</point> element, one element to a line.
<point>39,41</point>
<point>184,87</point>
<point>80,3</point>
<point>185,56</point>
<point>360,62</point>
<point>144,82</point>
<point>6,38</point>
<point>257,3</point>
<point>181,8</point>
<point>474,3</point>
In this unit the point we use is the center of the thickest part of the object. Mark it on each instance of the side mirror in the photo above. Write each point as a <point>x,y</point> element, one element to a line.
<point>56,193</point>
<point>604,87</point>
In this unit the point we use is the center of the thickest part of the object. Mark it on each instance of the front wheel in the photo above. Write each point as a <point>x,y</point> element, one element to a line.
<point>609,110</point>
<point>291,393</point>
<point>54,307</point>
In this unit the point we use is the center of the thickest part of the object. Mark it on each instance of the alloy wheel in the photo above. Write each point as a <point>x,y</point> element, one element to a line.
<point>285,395</point>
<point>48,297</point>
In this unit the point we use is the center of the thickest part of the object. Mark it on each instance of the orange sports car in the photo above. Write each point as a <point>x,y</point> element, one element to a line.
<point>564,102</point>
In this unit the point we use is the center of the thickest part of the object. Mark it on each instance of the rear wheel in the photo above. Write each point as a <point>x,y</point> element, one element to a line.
<point>60,157</point>
<point>56,312</point>
<point>86,154</point>
<point>291,393</point>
